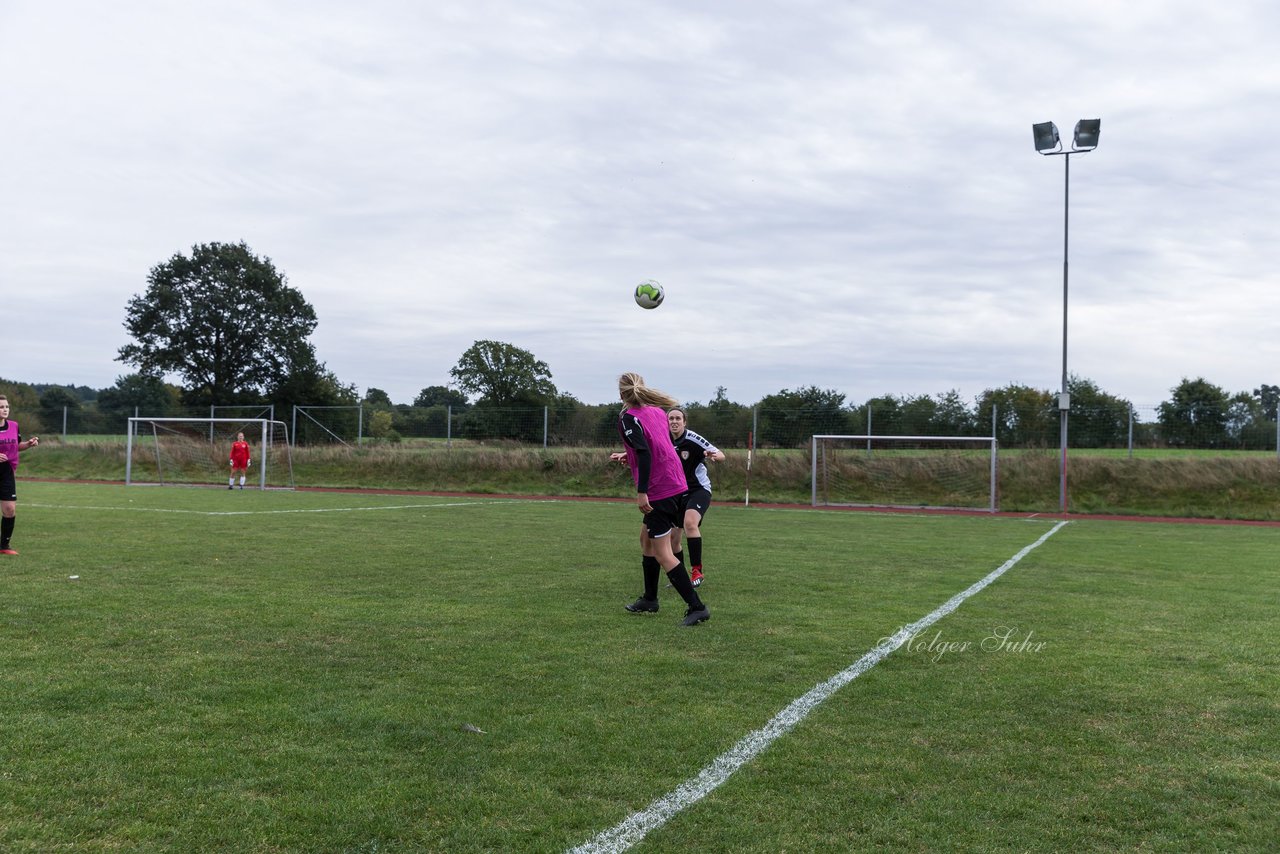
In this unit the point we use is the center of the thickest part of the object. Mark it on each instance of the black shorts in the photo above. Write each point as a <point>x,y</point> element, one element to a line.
<point>667,513</point>
<point>8,483</point>
<point>696,499</point>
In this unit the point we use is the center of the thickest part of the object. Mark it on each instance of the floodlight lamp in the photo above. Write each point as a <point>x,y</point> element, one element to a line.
<point>1046,136</point>
<point>1086,137</point>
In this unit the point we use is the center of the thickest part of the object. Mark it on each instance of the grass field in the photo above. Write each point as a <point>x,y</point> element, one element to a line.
<point>245,671</point>
<point>1236,485</point>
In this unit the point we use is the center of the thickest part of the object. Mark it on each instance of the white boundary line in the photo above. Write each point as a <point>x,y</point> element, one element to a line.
<point>638,825</point>
<point>267,512</point>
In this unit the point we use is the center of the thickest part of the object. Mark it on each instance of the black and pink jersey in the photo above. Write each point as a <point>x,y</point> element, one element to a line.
<point>654,464</point>
<point>9,439</point>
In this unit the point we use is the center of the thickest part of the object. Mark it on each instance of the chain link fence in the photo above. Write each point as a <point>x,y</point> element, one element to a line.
<point>1124,428</point>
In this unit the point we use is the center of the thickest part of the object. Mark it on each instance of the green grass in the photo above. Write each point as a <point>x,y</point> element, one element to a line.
<point>297,677</point>
<point>1226,486</point>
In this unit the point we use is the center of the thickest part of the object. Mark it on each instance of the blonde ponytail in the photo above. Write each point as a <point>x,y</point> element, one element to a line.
<point>634,392</point>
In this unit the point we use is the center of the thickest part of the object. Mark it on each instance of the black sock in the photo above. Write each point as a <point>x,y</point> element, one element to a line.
<point>695,551</point>
<point>652,571</point>
<point>6,530</point>
<point>680,557</point>
<point>680,581</point>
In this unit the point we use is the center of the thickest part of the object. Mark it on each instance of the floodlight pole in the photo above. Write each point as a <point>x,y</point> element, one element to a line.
<point>1064,400</point>
<point>1064,397</point>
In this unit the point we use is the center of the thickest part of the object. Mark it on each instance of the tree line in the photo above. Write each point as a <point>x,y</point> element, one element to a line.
<point>1198,415</point>
<point>226,323</point>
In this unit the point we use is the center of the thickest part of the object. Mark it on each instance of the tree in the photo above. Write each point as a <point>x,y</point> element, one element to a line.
<point>1025,416</point>
<point>312,385</point>
<point>223,319</point>
<point>1246,424</point>
<point>724,422</point>
<point>953,417</point>
<point>1269,397</point>
<point>503,375</point>
<point>54,401</point>
<point>438,395</point>
<point>917,414</point>
<point>1098,420</point>
<point>1196,416</point>
<point>380,422</point>
<point>789,418</point>
<point>147,395</point>
<point>377,397</point>
<point>879,415</point>
<point>24,400</point>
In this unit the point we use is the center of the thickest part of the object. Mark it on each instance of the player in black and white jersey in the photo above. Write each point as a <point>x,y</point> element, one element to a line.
<point>694,451</point>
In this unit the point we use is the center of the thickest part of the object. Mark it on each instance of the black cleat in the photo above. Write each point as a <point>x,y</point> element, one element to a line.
<point>643,606</point>
<point>693,616</point>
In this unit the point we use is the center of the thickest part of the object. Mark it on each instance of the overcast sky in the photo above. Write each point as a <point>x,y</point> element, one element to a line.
<point>840,194</point>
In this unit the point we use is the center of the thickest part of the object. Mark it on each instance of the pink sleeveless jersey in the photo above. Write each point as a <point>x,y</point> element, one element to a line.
<point>9,443</point>
<point>666,474</point>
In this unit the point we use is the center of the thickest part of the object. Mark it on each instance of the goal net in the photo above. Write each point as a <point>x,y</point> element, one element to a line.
<point>197,451</point>
<point>939,472</point>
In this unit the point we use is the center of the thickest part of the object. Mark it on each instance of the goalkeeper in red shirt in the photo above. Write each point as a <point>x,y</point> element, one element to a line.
<point>239,461</point>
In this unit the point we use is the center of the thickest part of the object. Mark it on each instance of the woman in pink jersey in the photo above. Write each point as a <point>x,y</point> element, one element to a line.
<point>660,485</point>
<point>11,442</point>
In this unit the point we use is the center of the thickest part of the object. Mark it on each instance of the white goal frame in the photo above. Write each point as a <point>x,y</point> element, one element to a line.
<point>265,444</point>
<point>989,441</point>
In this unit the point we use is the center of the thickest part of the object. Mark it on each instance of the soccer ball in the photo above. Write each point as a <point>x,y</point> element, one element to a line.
<point>649,294</point>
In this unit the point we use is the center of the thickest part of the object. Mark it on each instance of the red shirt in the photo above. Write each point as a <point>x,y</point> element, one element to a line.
<point>239,455</point>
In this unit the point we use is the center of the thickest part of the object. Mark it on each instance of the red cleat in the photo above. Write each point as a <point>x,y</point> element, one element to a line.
<point>696,577</point>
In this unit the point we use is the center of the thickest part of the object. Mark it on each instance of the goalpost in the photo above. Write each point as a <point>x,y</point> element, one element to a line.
<point>934,472</point>
<point>192,451</point>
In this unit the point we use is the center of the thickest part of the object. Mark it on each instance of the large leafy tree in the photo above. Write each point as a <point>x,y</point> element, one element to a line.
<point>224,320</point>
<point>501,374</point>
<point>1196,416</point>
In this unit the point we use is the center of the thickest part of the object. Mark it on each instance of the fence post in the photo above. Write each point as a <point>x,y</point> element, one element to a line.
<point>360,424</point>
<point>813,472</point>
<point>64,423</point>
<point>1131,431</point>
<point>448,426</point>
<point>128,449</point>
<point>869,430</point>
<point>545,410</point>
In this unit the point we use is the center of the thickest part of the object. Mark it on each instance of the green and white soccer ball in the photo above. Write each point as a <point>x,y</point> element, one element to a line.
<point>649,294</point>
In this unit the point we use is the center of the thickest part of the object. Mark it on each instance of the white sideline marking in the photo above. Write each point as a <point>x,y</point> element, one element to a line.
<point>265,512</point>
<point>638,825</point>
